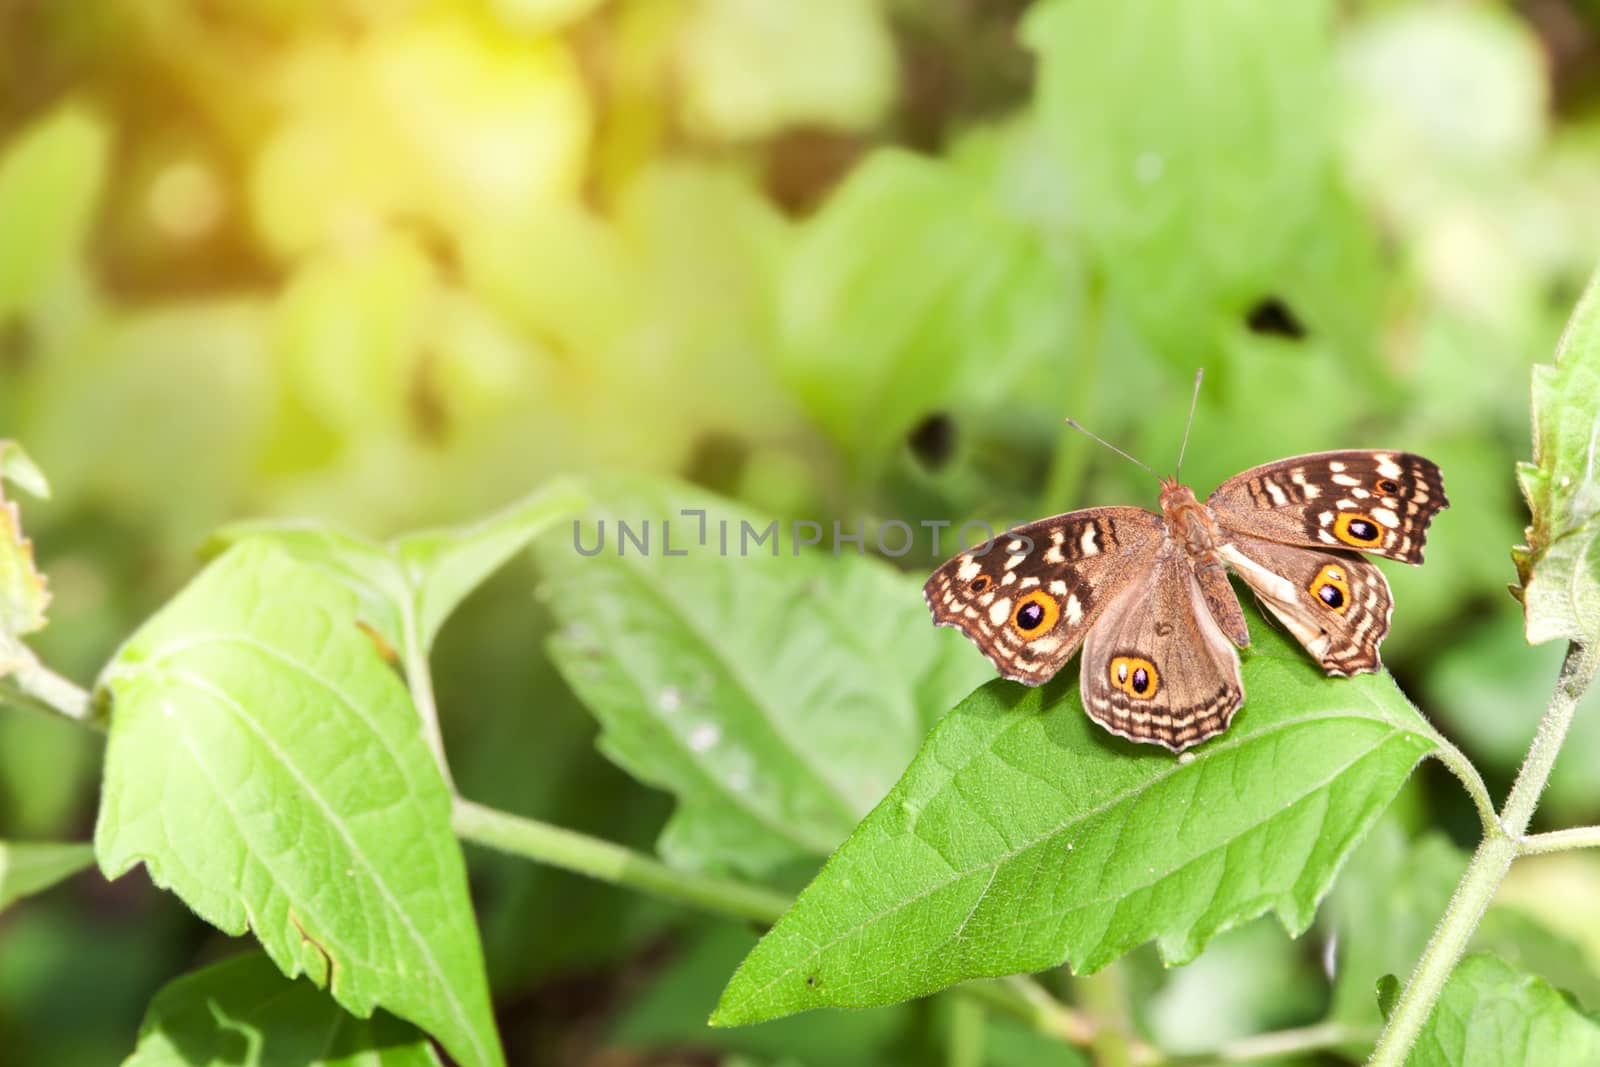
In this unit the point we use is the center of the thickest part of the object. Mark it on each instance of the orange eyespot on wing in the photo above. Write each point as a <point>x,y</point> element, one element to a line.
<point>1357,530</point>
<point>1135,676</point>
<point>1036,615</point>
<point>1331,587</point>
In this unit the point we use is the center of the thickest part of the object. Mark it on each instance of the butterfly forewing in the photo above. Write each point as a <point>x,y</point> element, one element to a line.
<point>1029,599</point>
<point>1157,667</point>
<point>1377,502</point>
<point>1336,604</point>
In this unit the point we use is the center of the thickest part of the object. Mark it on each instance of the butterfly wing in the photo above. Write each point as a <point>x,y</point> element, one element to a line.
<point>1029,599</point>
<point>1335,603</point>
<point>1377,502</point>
<point>1157,667</point>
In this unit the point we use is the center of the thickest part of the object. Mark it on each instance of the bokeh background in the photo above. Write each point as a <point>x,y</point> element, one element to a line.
<point>397,262</point>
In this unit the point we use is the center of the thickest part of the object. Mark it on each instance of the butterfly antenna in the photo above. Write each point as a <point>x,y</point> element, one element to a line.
<point>1199,373</point>
<point>1095,437</point>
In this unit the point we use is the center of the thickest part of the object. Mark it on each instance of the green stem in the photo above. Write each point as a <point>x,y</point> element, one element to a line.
<point>1019,997</point>
<point>1488,867</point>
<point>613,863</point>
<point>1460,766</point>
<point>965,1046</point>
<point>1105,1000</point>
<point>1283,1043</point>
<point>34,686</point>
<point>1560,841</point>
<point>1027,1001</point>
<point>419,679</point>
<point>1577,670</point>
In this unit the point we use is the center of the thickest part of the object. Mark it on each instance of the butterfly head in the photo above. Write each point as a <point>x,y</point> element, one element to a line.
<point>1177,497</point>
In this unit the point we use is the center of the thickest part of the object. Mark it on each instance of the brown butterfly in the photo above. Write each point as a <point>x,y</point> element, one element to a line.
<point>1148,596</point>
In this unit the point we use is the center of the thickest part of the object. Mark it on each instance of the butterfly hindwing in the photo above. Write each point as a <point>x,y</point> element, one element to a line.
<point>1157,667</point>
<point>1029,599</point>
<point>1369,501</point>
<point>1336,604</point>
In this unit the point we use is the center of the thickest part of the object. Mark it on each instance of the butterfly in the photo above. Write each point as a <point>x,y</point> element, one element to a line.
<point>1148,599</point>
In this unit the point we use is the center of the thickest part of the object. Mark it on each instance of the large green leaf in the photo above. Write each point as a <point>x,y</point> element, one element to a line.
<point>32,867</point>
<point>243,1013</point>
<point>1024,836</point>
<point>267,766</point>
<point>1560,564</point>
<point>1493,1016</point>
<point>1195,141</point>
<point>408,586</point>
<point>776,692</point>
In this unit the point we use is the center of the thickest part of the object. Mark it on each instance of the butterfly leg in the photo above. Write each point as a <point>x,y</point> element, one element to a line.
<point>1212,577</point>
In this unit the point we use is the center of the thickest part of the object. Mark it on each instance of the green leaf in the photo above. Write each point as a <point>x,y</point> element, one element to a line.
<point>1529,944</point>
<point>19,470</point>
<point>1491,1015</point>
<point>1384,910</point>
<point>915,290</point>
<point>1177,126</point>
<point>27,868</point>
<point>267,766</point>
<point>50,179</point>
<point>776,692</point>
<point>1024,836</point>
<point>23,595</point>
<point>444,566</point>
<point>1560,895</point>
<point>411,584</point>
<point>243,1013</point>
<point>1560,564</point>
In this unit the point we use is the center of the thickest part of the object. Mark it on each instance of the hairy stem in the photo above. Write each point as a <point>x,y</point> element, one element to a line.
<point>36,687</point>
<point>419,679</point>
<point>1283,1043</point>
<point>1024,999</point>
<point>1467,774</point>
<point>1560,841</point>
<point>613,863</point>
<point>1021,998</point>
<point>1488,867</point>
<point>33,685</point>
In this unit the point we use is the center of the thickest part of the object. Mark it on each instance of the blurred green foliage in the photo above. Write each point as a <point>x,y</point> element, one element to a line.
<point>395,264</point>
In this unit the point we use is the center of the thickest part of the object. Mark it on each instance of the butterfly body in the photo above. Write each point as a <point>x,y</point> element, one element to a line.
<point>1148,599</point>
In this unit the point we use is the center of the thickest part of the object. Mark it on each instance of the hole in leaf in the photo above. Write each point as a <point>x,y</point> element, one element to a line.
<point>933,440</point>
<point>717,461</point>
<point>1272,316</point>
